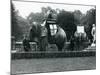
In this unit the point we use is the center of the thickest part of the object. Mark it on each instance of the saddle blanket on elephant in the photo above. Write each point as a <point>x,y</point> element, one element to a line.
<point>53,29</point>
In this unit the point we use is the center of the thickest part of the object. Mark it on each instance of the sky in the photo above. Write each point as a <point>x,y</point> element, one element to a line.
<point>25,8</point>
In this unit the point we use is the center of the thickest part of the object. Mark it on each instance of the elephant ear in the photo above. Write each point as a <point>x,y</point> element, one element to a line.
<point>38,30</point>
<point>32,33</point>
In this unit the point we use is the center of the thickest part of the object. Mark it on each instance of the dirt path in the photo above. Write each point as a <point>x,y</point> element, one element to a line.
<point>52,64</point>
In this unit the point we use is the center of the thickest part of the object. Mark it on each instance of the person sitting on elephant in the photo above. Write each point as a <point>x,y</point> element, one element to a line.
<point>50,14</point>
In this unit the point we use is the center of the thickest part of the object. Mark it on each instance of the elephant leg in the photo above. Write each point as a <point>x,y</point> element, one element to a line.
<point>60,47</point>
<point>72,46</point>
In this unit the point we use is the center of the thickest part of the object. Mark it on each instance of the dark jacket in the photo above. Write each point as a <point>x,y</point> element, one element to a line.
<point>26,45</point>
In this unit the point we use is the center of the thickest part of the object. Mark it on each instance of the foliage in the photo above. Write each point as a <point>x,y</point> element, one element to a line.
<point>19,25</point>
<point>77,16</point>
<point>90,17</point>
<point>15,29</point>
<point>39,17</point>
<point>35,17</point>
<point>88,20</point>
<point>66,19</point>
<point>67,22</point>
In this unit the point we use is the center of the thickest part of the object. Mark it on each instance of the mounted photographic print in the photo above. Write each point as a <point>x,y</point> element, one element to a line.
<point>52,37</point>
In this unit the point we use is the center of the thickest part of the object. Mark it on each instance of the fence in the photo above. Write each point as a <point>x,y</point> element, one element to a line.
<point>18,46</point>
<point>90,51</point>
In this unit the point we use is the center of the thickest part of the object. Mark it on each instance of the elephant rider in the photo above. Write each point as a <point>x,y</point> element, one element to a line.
<point>93,32</point>
<point>45,25</point>
<point>49,15</point>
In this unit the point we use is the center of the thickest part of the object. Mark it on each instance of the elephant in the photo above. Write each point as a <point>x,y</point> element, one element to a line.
<point>59,38</point>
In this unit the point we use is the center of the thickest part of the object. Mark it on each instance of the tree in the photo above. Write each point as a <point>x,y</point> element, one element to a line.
<point>90,17</point>
<point>23,24</point>
<point>67,22</point>
<point>35,17</point>
<point>15,29</point>
<point>77,16</point>
<point>19,25</point>
<point>88,20</point>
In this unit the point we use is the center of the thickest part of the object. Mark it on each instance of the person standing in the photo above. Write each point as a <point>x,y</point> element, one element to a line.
<point>94,33</point>
<point>26,44</point>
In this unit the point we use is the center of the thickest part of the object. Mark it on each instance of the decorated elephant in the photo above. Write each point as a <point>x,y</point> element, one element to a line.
<point>80,38</point>
<point>49,32</point>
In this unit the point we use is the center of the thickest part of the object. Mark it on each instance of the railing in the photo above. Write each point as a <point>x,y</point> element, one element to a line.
<point>18,47</point>
<point>21,54</point>
<point>56,54</point>
<point>51,48</point>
